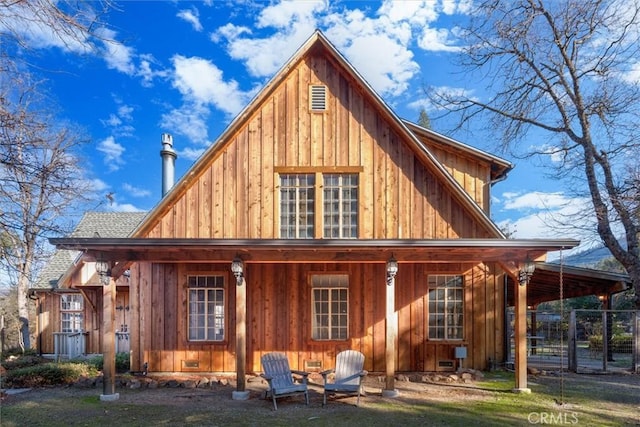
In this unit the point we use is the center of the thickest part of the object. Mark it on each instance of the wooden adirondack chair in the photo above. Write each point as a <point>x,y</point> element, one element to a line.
<point>348,375</point>
<point>280,377</point>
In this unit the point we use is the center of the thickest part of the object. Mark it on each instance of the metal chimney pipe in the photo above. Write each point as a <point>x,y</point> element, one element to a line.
<point>169,156</point>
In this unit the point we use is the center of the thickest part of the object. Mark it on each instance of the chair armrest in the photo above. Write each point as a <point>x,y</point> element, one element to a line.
<point>325,373</point>
<point>301,373</point>
<point>266,377</point>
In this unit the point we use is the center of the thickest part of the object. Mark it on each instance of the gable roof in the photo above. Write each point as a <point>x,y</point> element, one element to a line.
<point>319,42</point>
<point>105,224</point>
<point>499,167</point>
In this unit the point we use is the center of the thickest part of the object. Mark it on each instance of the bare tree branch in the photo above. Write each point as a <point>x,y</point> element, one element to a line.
<point>562,67</point>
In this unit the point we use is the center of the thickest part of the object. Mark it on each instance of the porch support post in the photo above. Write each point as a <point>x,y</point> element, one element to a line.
<point>241,337</point>
<point>391,335</point>
<point>109,340</point>
<point>520,337</point>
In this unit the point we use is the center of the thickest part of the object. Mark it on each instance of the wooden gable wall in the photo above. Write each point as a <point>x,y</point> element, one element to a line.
<point>237,195</point>
<point>471,173</point>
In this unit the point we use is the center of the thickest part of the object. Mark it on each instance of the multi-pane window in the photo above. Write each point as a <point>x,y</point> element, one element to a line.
<point>337,205</point>
<point>446,307</point>
<point>297,206</point>
<point>206,308</point>
<point>330,306</point>
<point>71,307</point>
<point>340,206</point>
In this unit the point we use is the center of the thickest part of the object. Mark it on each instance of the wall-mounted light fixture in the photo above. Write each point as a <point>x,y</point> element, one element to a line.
<point>237,268</point>
<point>526,271</point>
<point>103,270</point>
<point>392,269</point>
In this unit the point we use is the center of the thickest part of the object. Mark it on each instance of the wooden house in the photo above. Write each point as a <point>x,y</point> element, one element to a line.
<point>318,221</point>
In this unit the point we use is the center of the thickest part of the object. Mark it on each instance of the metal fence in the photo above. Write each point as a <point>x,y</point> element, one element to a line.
<point>582,340</point>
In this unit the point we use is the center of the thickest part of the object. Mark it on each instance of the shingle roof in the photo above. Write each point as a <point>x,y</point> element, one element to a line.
<point>106,224</point>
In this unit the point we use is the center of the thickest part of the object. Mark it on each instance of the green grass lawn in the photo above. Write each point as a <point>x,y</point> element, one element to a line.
<point>604,400</point>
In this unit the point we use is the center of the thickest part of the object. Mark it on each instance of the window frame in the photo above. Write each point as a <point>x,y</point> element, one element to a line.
<point>76,314</point>
<point>316,327</point>
<point>319,198</point>
<point>224,277</point>
<point>437,283</point>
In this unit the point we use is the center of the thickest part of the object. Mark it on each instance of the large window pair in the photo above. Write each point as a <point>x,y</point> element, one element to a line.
<point>299,205</point>
<point>330,307</point>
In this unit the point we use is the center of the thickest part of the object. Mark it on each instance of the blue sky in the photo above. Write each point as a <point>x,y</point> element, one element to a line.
<point>187,68</point>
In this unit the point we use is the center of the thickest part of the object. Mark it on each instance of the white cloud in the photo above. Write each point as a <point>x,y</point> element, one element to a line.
<point>112,153</point>
<point>135,191</point>
<point>189,120</point>
<point>363,39</point>
<point>437,40</point>
<point>290,13</point>
<point>191,153</point>
<point>20,19</point>
<point>541,215</point>
<point>536,200</point>
<point>98,185</point>
<point>201,81</point>
<point>192,16</point>
<point>120,122</point>
<point>117,55</point>
<point>124,207</point>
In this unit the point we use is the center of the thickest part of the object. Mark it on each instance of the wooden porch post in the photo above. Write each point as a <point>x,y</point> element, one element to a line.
<point>109,340</point>
<point>520,337</point>
<point>241,331</point>
<point>391,331</point>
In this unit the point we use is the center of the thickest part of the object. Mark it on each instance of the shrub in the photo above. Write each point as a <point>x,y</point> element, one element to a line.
<point>122,362</point>
<point>48,374</point>
<point>620,343</point>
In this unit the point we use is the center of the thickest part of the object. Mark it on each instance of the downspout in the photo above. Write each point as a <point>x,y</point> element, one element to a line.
<point>505,337</point>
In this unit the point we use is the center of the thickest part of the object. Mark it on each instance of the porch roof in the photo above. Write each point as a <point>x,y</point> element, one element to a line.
<point>544,285</point>
<point>123,251</point>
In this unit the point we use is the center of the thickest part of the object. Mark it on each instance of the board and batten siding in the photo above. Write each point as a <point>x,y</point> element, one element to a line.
<point>279,316</point>
<point>237,195</point>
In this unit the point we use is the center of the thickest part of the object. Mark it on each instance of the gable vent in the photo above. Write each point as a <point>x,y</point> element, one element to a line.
<point>318,97</point>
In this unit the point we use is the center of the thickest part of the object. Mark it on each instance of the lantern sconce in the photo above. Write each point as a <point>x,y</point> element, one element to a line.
<point>237,268</point>
<point>392,269</point>
<point>103,270</point>
<point>526,271</point>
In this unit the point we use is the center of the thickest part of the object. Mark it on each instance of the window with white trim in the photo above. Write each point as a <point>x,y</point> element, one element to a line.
<point>71,313</point>
<point>446,307</point>
<point>329,307</point>
<point>206,307</point>
<point>303,201</point>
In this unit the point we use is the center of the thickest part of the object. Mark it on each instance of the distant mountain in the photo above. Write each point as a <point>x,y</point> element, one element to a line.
<point>588,258</point>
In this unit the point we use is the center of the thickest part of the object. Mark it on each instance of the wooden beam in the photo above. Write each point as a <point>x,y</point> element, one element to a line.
<point>391,335</point>
<point>109,341</point>
<point>520,337</point>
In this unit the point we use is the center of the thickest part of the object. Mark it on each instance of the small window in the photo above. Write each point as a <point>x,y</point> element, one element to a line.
<point>330,307</point>
<point>71,318</point>
<point>206,308</point>
<point>446,307</point>
<point>318,97</point>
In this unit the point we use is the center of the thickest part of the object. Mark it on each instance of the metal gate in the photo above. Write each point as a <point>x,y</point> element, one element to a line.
<point>581,340</point>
